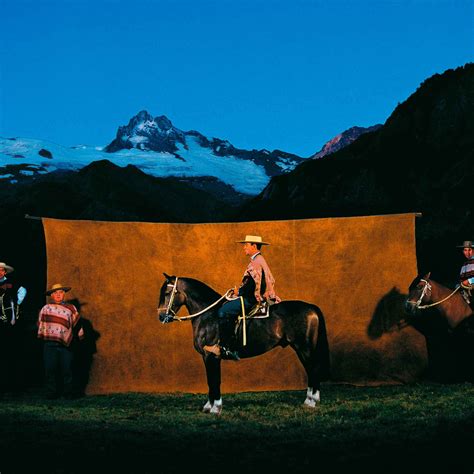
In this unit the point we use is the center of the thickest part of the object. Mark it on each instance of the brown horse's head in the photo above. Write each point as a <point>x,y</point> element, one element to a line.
<point>419,293</point>
<point>171,299</point>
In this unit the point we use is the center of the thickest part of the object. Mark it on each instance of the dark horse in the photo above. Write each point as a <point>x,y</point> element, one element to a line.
<point>295,323</point>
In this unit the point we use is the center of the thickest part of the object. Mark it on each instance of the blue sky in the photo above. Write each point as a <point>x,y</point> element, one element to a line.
<point>285,75</point>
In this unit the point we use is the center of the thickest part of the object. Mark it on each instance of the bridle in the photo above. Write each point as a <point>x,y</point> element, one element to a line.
<point>427,287</point>
<point>174,291</point>
<point>170,314</point>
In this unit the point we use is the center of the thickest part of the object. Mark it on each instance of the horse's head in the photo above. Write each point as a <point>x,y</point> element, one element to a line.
<point>171,299</point>
<point>419,292</point>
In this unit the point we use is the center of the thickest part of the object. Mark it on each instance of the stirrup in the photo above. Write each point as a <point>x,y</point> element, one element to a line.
<point>466,295</point>
<point>228,354</point>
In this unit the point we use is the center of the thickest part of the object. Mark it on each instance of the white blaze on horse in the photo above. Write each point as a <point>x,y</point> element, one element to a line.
<point>297,324</point>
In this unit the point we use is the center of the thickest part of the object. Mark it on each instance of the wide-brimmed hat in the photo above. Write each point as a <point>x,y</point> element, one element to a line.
<point>7,268</point>
<point>56,287</point>
<point>252,239</point>
<point>466,244</point>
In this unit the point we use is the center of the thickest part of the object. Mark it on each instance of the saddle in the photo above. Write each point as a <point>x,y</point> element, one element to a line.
<point>260,310</point>
<point>13,309</point>
<point>466,294</point>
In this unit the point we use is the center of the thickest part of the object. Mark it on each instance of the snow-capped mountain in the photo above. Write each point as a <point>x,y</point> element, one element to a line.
<point>158,134</point>
<point>157,148</point>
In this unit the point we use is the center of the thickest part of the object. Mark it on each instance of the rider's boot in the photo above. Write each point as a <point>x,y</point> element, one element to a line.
<point>225,348</point>
<point>227,339</point>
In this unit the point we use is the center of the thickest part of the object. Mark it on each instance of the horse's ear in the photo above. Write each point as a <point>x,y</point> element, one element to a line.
<point>167,276</point>
<point>427,276</point>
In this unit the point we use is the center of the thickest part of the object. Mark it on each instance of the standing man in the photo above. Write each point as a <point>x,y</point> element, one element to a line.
<point>11,296</point>
<point>56,324</point>
<point>257,286</point>
<point>466,275</point>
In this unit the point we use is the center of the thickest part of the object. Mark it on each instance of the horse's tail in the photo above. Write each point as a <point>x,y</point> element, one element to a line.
<point>322,347</point>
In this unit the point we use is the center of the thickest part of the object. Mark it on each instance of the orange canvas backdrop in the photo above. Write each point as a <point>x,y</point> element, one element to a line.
<point>344,265</point>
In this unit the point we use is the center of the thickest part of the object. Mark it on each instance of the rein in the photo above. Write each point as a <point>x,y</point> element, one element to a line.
<point>169,310</point>
<point>428,286</point>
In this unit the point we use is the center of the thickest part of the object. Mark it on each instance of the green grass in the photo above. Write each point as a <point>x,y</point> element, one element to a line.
<point>409,428</point>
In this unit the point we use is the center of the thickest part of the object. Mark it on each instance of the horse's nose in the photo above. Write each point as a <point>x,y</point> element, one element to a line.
<point>165,317</point>
<point>410,307</point>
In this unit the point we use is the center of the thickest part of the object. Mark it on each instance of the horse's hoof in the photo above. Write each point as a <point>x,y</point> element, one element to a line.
<point>216,407</point>
<point>207,407</point>
<point>309,403</point>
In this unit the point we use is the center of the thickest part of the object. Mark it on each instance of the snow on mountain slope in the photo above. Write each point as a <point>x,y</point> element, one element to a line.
<point>26,157</point>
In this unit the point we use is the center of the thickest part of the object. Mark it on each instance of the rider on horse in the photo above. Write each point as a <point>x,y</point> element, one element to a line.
<point>466,275</point>
<point>257,287</point>
<point>11,296</point>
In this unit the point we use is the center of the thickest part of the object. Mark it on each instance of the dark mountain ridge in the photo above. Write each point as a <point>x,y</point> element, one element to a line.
<point>421,160</point>
<point>104,191</point>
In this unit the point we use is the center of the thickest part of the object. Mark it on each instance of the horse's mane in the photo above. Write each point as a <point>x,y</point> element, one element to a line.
<point>197,288</point>
<point>427,276</point>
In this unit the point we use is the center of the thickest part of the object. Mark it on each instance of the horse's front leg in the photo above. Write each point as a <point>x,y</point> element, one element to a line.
<point>213,373</point>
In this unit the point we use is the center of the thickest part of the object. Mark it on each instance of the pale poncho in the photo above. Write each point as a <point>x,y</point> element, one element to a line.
<point>255,268</point>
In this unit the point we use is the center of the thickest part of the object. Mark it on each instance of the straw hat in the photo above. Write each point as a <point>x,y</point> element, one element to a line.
<point>56,287</point>
<point>7,268</point>
<point>466,244</point>
<point>252,239</point>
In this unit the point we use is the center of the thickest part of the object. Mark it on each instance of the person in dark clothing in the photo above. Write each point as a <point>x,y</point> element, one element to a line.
<point>11,297</point>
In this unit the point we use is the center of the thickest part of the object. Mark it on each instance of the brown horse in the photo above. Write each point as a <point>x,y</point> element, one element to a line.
<point>424,294</point>
<point>290,323</point>
<point>446,320</point>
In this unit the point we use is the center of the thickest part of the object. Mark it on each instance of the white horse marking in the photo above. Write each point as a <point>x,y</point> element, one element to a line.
<point>311,398</point>
<point>216,407</point>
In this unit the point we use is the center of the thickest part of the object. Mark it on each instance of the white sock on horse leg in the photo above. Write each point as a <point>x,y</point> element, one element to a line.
<point>309,402</point>
<point>217,407</point>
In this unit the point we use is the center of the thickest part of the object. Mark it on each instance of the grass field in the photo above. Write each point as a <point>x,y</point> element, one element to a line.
<point>410,428</point>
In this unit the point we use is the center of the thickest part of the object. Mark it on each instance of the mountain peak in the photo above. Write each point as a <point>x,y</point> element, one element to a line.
<point>163,122</point>
<point>343,139</point>
<point>147,133</point>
